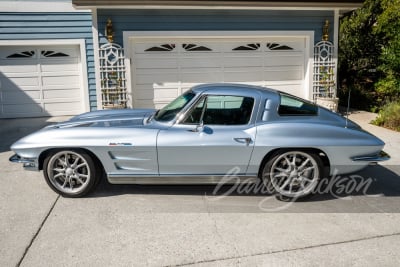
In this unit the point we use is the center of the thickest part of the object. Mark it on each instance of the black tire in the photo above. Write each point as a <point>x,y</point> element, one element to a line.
<point>292,174</point>
<point>71,173</point>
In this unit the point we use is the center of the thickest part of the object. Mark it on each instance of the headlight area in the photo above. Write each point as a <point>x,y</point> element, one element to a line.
<point>30,164</point>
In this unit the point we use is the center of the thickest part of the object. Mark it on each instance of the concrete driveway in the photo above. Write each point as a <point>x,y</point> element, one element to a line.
<point>186,225</point>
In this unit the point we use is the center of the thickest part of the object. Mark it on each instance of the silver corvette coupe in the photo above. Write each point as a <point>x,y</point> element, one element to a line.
<point>211,134</point>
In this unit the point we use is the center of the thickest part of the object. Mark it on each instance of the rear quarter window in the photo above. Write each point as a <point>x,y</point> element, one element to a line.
<point>293,106</point>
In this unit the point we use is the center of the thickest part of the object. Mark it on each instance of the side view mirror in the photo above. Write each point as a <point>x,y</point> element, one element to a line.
<point>199,127</point>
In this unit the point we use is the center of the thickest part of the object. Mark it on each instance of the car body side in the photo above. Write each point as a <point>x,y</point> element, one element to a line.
<point>133,148</point>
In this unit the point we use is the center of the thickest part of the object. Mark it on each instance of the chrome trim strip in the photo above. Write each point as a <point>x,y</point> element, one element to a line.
<point>381,156</point>
<point>183,180</point>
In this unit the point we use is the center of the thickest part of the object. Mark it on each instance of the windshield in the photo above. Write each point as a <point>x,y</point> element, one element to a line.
<point>169,112</point>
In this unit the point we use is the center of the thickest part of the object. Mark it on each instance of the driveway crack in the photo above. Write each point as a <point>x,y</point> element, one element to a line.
<point>290,250</point>
<point>217,231</point>
<point>38,231</point>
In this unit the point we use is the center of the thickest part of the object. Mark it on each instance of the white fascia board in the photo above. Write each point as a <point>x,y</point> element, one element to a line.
<point>343,7</point>
<point>39,6</point>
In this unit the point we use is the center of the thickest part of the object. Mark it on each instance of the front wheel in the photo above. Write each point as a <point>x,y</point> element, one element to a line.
<point>292,174</point>
<point>71,173</point>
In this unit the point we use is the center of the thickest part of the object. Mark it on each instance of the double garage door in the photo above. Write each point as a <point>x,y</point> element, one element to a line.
<point>164,68</point>
<point>40,81</point>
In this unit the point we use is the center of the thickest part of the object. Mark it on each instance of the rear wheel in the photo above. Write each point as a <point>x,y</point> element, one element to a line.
<point>292,174</point>
<point>71,173</point>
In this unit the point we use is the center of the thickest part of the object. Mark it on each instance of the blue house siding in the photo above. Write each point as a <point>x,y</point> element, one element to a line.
<point>212,20</point>
<point>36,26</point>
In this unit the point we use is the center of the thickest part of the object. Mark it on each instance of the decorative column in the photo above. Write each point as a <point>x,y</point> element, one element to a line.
<point>324,77</point>
<point>112,72</point>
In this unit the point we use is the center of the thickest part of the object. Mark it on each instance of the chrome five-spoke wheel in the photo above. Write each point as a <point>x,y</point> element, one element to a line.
<point>70,173</point>
<point>293,174</point>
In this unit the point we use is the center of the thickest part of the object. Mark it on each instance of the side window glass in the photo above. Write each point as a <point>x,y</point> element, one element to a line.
<point>222,110</point>
<point>194,116</point>
<point>293,106</point>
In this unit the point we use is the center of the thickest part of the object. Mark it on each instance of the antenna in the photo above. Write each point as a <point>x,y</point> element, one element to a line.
<point>348,108</point>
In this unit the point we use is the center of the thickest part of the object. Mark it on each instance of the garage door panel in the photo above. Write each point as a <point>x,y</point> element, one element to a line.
<point>275,61</point>
<point>199,62</point>
<point>58,108</point>
<point>241,76</point>
<point>22,109</point>
<point>61,93</point>
<point>155,70</point>
<point>19,82</point>
<point>201,76</point>
<point>139,103</point>
<point>166,93</point>
<point>243,61</point>
<point>8,67</point>
<point>160,63</point>
<point>266,60</point>
<point>20,97</point>
<point>157,78</point>
<point>144,94</point>
<point>71,81</point>
<point>58,67</point>
<point>283,74</point>
<point>40,81</point>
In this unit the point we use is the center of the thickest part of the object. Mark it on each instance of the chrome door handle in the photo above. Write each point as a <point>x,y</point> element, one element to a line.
<point>243,140</point>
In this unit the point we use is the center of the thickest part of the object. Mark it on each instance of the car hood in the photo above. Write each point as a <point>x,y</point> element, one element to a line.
<point>123,117</point>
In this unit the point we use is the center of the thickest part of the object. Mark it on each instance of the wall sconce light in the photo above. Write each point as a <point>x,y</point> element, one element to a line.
<point>325,31</point>
<point>109,31</point>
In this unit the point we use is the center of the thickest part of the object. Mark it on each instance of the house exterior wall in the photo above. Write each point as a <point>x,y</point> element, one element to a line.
<point>53,26</point>
<point>213,20</point>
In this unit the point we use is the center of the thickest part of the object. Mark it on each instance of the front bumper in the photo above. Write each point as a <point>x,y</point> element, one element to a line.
<point>381,156</point>
<point>28,164</point>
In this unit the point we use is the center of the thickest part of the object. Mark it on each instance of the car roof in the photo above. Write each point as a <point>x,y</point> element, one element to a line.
<point>234,87</point>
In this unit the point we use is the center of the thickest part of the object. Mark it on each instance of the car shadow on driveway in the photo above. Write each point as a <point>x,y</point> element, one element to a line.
<point>13,129</point>
<point>379,185</point>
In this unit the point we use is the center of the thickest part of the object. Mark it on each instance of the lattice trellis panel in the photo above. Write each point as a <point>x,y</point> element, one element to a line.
<point>113,76</point>
<point>324,80</point>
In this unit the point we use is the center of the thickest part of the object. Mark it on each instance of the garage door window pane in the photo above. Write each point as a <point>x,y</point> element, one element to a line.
<point>25,54</point>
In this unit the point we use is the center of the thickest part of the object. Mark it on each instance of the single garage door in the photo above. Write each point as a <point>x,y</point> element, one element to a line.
<point>40,81</point>
<point>164,68</point>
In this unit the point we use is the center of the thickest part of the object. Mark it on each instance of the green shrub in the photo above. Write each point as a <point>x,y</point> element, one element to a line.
<point>389,116</point>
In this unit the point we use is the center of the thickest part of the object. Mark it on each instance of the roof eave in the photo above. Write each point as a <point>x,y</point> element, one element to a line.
<point>87,4</point>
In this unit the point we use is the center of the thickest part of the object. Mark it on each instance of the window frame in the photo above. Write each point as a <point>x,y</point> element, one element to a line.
<point>297,99</point>
<point>205,98</point>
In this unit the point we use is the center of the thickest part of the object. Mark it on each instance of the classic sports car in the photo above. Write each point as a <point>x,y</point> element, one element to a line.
<point>210,132</point>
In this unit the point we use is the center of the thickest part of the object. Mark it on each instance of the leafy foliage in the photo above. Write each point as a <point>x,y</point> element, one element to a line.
<point>369,57</point>
<point>389,116</point>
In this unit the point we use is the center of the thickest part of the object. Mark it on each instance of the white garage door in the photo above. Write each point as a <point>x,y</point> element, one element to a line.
<point>40,81</point>
<point>162,69</point>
